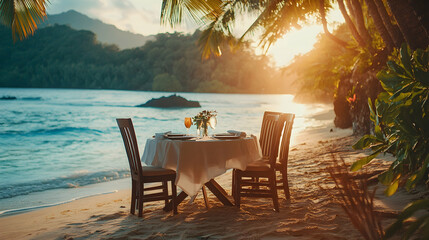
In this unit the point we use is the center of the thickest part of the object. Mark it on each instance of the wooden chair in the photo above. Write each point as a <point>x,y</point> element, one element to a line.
<point>281,164</point>
<point>247,183</point>
<point>147,174</point>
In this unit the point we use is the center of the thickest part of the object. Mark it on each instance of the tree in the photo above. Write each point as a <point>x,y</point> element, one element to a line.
<point>276,18</point>
<point>166,83</point>
<point>412,29</point>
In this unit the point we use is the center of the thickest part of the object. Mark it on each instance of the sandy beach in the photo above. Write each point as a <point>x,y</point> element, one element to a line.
<point>310,214</point>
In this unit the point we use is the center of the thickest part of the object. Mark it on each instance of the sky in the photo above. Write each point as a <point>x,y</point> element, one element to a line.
<point>143,17</point>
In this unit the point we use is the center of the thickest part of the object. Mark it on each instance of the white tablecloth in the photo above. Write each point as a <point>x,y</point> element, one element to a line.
<point>196,162</point>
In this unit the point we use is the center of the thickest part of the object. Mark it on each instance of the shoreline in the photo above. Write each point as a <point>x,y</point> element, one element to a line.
<point>59,196</point>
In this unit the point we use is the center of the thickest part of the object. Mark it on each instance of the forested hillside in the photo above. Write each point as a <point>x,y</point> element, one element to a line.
<point>60,57</point>
<point>106,33</point>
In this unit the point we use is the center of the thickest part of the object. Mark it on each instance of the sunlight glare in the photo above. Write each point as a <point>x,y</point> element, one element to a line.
<point>307,116</point>
<point>294,43</point>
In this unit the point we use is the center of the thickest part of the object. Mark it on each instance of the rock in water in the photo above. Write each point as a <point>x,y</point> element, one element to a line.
<point>172,101</point>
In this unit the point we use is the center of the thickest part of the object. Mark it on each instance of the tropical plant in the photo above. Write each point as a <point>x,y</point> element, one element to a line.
<point>401,118</point>
<point>22,16</point>
<point>355,199</point>
<point>420,225</point>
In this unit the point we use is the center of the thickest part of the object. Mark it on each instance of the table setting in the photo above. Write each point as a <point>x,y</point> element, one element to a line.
<point>198,159</point>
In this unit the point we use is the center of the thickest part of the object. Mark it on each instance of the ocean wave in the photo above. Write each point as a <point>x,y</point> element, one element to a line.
<point>25,209</point>
<point>52,131</point>
<point>62,130</point>
<point>24,98</point>
<point>76,180</point>
<point>157,119</point>
<point>31,98</point>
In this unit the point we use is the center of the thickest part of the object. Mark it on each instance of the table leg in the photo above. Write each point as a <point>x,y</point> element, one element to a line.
<point>182,195</point>
<point>219,192</point>
<point>206,201</point>
<point>213,186</point>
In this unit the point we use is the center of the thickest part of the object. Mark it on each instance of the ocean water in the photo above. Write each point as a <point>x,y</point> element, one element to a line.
<point>57,145</point>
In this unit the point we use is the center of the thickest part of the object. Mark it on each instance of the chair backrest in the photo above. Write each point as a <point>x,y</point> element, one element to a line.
<point>284,147</point>
<point>272,124</point>
<point>130,141</point>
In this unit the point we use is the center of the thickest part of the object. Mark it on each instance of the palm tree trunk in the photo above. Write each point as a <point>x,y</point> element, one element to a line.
<point>351,25</point>
<point>422,9</point>
<point>325,25</point>
<point>351,10</point>
<point>393,29</point>
<point>379,24</point>
<point>414,32</point>
<point>360,22</point>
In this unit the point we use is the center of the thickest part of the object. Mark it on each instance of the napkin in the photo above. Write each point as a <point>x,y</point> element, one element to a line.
<point>160,136</point>
<point>237,133</point>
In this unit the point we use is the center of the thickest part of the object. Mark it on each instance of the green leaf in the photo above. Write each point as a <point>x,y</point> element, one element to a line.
<point>421,57</point>
<point>396,68</point>
<point>378,133</point>
<point>371,110</point>
<point>392,188</point>
<point>386,177</point>
<point>413,207</point>
<point>363,161</point>
<point>389,81</point>
<point>392,229</point>
<point>404,89</point>
<point>422,77</point>
<point>405,60</point>
<point>365,142</point>
<point>415,178</point>
<point>413,227</point>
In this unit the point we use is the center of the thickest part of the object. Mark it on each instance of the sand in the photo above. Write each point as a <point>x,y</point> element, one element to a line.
<point>310,214</point>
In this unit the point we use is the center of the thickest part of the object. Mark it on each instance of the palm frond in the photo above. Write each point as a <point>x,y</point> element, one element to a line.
<point>174,11</point>
<point>211,40</point>
<point>22,16</point>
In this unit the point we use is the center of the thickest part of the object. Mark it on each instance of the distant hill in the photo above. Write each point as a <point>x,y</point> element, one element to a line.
<point>106,33</point>
<point>62,57</point>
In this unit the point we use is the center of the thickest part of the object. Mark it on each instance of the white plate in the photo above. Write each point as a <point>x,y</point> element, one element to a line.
<point>179,137</point>
<point>226,136</point>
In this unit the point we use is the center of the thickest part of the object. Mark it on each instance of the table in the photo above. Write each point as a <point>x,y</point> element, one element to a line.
<point>197,162</point>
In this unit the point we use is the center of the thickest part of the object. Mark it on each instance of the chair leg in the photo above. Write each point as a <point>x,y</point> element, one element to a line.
<point>174,196</point>
<point>237,178</point>
<point>165,191</point>
<point>233,184</point>
<point>133,197</point>
<point>285,183</point>
<point>140,200</point>
<point>273,188</point>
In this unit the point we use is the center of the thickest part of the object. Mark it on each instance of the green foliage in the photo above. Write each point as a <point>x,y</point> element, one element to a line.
<point>214,86</point>
<point>401,120</point>
<point>319,71</point>
<point>421,224</point>
<point>60,57</point>
<point>166,83</point>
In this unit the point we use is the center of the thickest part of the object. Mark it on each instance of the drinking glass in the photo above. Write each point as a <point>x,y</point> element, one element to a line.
<point>188,124</point>
<point>213,122</point>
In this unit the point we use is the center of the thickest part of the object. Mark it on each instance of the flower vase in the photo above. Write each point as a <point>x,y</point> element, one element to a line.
<point>205,128</point>
<point>198,123</point>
